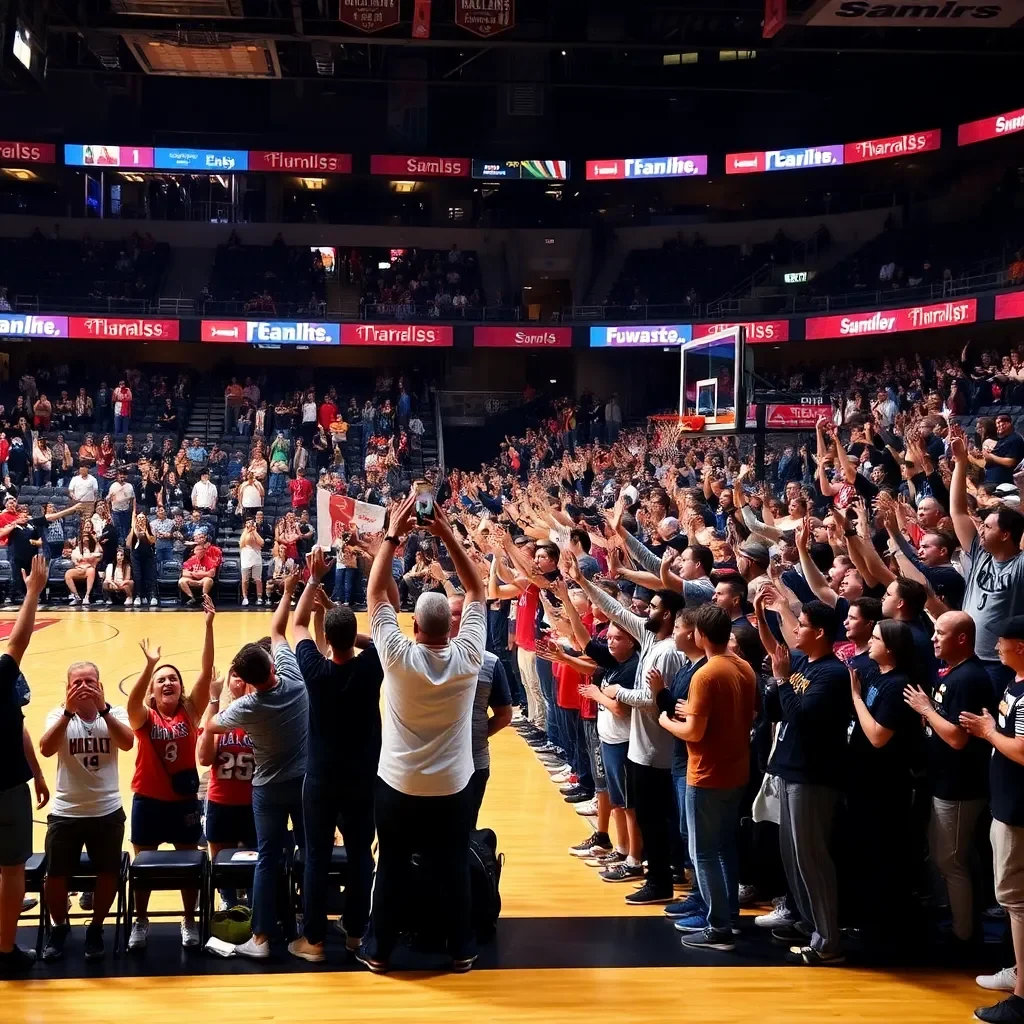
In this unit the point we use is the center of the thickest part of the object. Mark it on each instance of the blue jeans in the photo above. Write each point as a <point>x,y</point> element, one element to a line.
<point>712,818</point>
<point>346,584</point>
<point>277,483</point>
<point>164,550</point>
<point>271,806</point>
<point>547,682</point>
<point>327,804</point>
<point>679,783</point>
<point>123,522</point>
<point>122,424</point>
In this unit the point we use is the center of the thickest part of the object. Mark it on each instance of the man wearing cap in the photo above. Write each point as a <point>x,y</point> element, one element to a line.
<point>752,562</point>
<point>1005,733</point>
<point>1008,494</point>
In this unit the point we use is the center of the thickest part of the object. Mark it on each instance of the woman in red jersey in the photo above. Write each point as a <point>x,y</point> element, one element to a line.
<point>165,808</point>
<point>229,820</point>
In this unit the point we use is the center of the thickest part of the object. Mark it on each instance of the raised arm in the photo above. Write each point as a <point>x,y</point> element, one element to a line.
<point>963,524</point>
<point>380,580</point>
<point>632,624</point>
<point>206,748</point>
<point>138,714</point>
<point>279,620</point>
<point>317,565</point>
<point>767,638</point>
<point>200,695</point>
<point>24,624</point>
<point>464,567</point>
<point>815,578</point>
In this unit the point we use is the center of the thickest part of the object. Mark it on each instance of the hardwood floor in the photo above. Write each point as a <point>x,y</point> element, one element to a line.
<point>550,901</point>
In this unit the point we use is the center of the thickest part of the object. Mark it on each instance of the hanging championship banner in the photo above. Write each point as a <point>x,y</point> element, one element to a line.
<point>368,15</point>
<point>485,17</point>
<point>421,20</point>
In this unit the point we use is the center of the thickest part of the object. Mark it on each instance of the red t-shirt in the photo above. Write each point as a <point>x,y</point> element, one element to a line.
<point>327,413</point>
<point>210,560</point>
<point>6,518</point>
<point>166,746</point>
<point>567,686</point>
<point>302,491</point>
<point>231,772</point>
<point>526,618</point>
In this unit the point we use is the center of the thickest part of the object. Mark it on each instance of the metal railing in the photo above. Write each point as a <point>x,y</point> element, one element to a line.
<point>430,311</point>
<point>680,312</point>
<point>439,431</point>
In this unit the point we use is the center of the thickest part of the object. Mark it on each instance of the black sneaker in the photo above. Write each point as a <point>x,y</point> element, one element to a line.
<point>571,789</point>
<point>814,957</point>
<point>579,797</point>
<point>463,965</point>
<point>790,935</point>
<point>648,893</point>
<point>711,938</point>
<point>94,948</point>
<point>377,966</point>
<point>597,843</point>
<point>18,961</point>
<point>1009,1011</point>
<point>54,948</point>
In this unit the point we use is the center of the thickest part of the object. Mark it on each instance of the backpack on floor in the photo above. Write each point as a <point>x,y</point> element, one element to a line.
<point>485,865</point>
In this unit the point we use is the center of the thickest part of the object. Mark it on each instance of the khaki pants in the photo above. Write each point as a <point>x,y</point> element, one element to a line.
<point>531,682</point>
<point>1008,864</point>
<point>951,840</point>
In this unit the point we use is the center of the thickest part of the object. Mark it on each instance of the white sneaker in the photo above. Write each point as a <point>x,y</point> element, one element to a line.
<point>85,601</point>
<point>557,769</point>
<point>588,808</point>
<point>72,599</point>
<point>779,916</point>
<point>245,602</point>
<point>137,603</point>
<point>140,933</point>
<point>561,778</point>
<point>253,950</point>
<point>154,603</point>
<point>260,602</point>
<point>748,895</point>
<point>306,952</point>
<point>189,935</point>
<point>1002,981</point>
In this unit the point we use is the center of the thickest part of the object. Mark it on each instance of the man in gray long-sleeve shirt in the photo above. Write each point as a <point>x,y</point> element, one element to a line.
<point>649,757</point>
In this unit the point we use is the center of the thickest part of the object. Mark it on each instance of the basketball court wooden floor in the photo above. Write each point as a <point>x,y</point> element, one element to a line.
<point>568,948</point>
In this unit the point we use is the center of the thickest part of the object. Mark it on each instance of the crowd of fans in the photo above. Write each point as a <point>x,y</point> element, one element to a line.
<point>400,283</point>
<point>754,688</point>
<point>42,272</point>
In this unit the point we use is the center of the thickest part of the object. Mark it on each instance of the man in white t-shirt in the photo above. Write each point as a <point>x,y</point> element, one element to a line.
<point>424,796</point>
<point>204,494</point>
<point>86,735</point>
<point>84,488</point>
<point>121,498</point>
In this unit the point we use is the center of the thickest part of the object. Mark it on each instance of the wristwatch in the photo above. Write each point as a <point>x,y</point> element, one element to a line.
<point>393,539</point>
<point>68,714</point>
<point>105,711</point>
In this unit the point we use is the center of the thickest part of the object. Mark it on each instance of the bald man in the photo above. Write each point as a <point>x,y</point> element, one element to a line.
<point>957,761</point>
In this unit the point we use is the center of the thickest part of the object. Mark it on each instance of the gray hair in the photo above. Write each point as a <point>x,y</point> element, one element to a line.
<point>432,614</point>
<point>75,665</point>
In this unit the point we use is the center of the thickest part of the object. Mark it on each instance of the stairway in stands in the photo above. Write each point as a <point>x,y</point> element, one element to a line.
<point>207,419</point>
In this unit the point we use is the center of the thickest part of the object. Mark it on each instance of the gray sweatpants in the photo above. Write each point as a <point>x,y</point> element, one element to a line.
<point>805,829</point>
<point>951,841</point>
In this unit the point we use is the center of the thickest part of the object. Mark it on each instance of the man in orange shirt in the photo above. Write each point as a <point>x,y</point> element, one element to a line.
<point>199,573</point>
<point>717,716</point>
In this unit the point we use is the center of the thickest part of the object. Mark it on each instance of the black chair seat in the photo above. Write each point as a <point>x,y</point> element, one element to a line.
<point>85,879</point>
<point>228,873</point>
<point>168,869</point>
<point>35,872</point>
